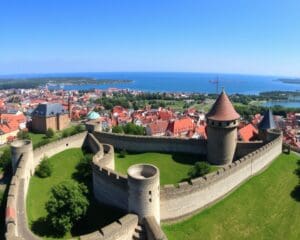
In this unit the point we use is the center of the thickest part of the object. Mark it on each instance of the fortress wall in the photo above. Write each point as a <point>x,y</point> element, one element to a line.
<point>15,216</point>
<point>244,148</point>
<point>177,202</point>
<point>110,188</point>
<point>152,144</point>
<point>122,229</point>
<point>75,141</point>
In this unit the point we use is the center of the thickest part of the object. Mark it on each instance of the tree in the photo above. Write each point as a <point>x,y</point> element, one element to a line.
<point>5,159</point>
<point>23,135</point>
<point>44,169</point>
<point>67,205</point>
<point>117,129</point>
<point>199,169</point>
<point>50,133</point>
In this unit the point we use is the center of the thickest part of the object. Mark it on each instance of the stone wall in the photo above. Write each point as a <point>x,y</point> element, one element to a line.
<point>152,144</point>
<point>244,148</point>
<point>109,187</point>
<point>15,217</point>
<point>177,202</point>
<point>123,229</point>
<point>75,141</point>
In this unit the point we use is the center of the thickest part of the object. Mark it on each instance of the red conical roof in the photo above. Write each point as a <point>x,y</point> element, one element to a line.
<point>222,110</point>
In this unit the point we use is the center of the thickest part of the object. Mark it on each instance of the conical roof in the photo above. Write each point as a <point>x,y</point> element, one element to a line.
<point>222,110</point>
<point>268,121</point>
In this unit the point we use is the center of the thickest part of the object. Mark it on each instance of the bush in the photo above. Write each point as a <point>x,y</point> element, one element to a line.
<point>67,205</point>
<point>199,169</point>
<point>23,135</point>
<point>65,133</point>
<point>50,133</point>
<point>117,129</point>
<point>44,169</point>
<point>41,143</point>
<point>122,153</point>
<point>5,159</point>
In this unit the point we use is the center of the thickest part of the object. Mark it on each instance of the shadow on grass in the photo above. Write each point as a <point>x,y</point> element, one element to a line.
<point>42,227</point>
<point>295,194</point>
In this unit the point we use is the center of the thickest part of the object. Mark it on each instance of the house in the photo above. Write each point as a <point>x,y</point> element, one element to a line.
<point>180,127</point>
<point>157,128</point>
<point>49,115</point>
<point>248,133</point>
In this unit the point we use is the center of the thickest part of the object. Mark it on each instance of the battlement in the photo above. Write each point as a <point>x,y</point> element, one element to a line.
<point>122,229</point>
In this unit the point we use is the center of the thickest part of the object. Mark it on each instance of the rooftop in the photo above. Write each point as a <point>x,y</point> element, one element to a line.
<point>222,110</point>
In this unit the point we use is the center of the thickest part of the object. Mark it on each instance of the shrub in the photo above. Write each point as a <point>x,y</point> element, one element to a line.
<point>65,133</point>
<point>5,159</point>
<point>44,169</point>
<point>41,143</point>
<point>117,129</point>
<point>23,135</point>
<point>122,153</point>
<point>67,205</point>
<point>199,169</point>
<point>50,133</point>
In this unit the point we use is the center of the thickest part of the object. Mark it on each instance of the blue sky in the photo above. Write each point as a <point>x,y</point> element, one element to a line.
<point>241,36</point>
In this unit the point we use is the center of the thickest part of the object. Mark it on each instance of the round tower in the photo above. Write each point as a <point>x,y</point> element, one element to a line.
<point>222,122</point>
<point>143,187</point>
<point>19,148</point>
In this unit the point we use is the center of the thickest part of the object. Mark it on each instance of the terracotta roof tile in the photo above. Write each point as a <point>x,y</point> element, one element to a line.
<point>222,110</point>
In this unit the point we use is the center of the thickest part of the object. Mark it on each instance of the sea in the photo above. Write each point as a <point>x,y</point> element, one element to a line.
<point>180,82</point>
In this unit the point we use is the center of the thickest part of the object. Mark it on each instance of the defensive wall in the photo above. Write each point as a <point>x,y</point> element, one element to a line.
<point>152,144</point>
<point>16,219</point>
<point>180,201</point>
<point>111,188</point>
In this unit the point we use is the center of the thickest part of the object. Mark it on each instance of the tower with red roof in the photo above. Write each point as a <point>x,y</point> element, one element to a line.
<point>222,122</point>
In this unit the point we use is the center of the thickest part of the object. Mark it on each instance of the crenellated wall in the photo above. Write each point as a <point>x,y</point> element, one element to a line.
<point>111,188</point>
<point>122,229</point>
<point>186,198</point>
<point>152,144</point>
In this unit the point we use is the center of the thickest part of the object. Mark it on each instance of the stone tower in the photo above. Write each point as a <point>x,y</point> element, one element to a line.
<point>21,148</point>
<point>143,187</point>
<point>222,122</point>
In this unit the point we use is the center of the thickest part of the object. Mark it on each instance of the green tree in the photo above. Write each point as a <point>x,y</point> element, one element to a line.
<point>44,169</point>
<point>117,129</point>
<point>67,205</point>
<point>23,135</point>
<point>199,169</point>
<point>50,133</point>
<point>5,159</point>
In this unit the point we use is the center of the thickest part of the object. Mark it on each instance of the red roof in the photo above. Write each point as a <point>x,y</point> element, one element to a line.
<point>159,126</point>
<point>247,133</point>
<point>181,125</point>
<point>222,110</point>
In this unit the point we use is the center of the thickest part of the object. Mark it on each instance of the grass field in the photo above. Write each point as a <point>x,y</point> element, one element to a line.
<point>266,207</point>
<point>64,167</point>
<point>173,168</point>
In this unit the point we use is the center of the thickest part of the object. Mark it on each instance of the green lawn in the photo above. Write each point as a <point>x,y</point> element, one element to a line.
<point>64,167</point>
<point>266,207</point>
<point>173,167</point>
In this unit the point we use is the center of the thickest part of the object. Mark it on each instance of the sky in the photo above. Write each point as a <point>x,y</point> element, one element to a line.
<point>230,36</point>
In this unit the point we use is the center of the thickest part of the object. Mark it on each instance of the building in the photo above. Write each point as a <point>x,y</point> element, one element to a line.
<point>49,115</point>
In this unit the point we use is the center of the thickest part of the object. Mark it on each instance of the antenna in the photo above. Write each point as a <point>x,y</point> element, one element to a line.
<point>216,81</point>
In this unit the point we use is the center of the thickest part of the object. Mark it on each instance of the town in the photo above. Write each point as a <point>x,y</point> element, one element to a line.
<point>38,110</point>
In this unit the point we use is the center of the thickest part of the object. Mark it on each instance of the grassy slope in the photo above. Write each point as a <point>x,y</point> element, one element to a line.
<point>262,208</point>
<point>64,166</point>
<point>173,167</point>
